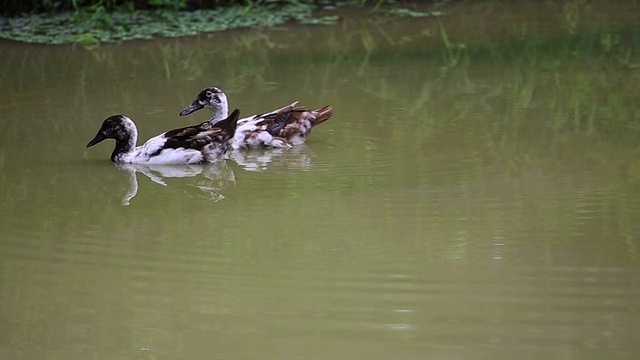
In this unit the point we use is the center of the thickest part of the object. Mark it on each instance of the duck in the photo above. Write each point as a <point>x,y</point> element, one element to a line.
<point>280,128</point>
<point>201,143</point>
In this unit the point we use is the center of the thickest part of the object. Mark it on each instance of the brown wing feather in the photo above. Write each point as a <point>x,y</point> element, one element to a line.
<point>198,136</point>
<point>301,120</point>
<point>190,137</point>
<point>323,114</point>
<point>281,115</point>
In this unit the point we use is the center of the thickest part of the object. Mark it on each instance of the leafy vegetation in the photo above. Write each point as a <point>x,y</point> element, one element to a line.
<point>100,26</point>
<point>107,21</point>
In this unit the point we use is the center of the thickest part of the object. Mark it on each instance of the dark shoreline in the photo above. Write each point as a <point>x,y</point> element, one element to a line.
<point>99,26</point>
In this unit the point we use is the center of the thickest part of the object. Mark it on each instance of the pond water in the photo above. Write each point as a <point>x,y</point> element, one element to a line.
<point>475,195</point>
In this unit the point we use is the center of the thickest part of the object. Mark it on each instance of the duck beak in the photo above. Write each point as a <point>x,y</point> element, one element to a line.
<point>97,139</point>
<point>195,106</point>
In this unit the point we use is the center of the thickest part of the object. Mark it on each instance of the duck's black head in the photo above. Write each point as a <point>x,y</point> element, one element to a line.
<point>211,98</point>
<point>118,127</point>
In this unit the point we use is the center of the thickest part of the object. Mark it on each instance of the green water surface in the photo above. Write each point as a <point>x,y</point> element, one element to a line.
<point>474,196</point>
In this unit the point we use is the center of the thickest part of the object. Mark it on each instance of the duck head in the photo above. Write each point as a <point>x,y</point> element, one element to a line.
<point>122,130</point>
<point>118,127</point>
<point>211,98</point>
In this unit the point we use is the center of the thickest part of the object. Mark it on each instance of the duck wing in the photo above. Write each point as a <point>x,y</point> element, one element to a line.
<point>294,120</point>
<point>197,137</point>
<point>191,137</point>
<point>275,121</point>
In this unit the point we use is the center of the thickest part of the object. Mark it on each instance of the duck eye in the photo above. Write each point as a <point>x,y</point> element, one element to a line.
<point>209,94</point>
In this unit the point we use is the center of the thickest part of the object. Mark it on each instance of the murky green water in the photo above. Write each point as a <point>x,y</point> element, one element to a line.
<point>471,198</point>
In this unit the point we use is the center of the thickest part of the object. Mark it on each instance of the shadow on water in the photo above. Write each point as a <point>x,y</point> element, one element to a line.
<point>474,195</point>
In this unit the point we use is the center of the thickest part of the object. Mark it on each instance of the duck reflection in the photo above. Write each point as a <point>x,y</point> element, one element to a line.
<point>209,180</point>
<point>296,158</point>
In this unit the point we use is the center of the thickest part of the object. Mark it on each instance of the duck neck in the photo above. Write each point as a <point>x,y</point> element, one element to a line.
<point>125,144</point>
<point>219,114</point>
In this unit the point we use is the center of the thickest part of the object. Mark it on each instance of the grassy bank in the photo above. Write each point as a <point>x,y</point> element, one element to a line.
<point>111,21</point>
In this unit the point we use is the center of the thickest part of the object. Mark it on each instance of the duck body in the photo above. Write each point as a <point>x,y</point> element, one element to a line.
<point>284,127</point>
<point>188,145</point>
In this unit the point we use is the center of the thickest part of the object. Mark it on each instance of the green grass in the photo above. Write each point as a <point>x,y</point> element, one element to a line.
<point>100,26</point>
<point>100,23</point>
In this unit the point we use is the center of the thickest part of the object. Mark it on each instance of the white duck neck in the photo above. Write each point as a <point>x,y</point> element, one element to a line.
<point>126,143</point>
<point>219,114</point>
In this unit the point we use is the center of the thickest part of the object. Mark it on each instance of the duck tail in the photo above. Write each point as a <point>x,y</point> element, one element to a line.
<point>323,114</point>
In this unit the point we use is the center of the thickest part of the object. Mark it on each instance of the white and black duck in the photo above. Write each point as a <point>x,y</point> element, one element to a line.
<point>200,143</point>
<point>284,127</point>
